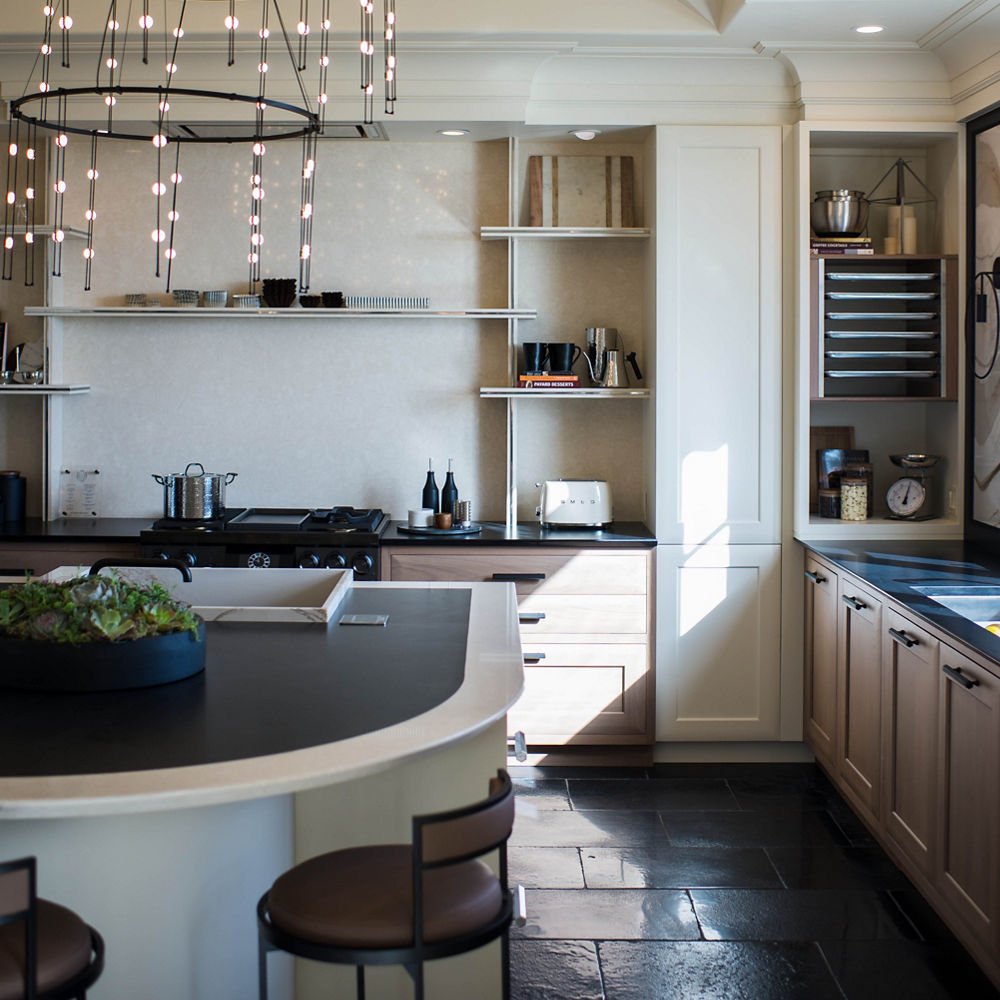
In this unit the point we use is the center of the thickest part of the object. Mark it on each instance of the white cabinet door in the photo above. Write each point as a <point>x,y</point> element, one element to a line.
<point>718,322</point>
<point>718,657</point>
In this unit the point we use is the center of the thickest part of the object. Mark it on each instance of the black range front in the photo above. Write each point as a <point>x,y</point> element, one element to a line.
<point>283,538</point>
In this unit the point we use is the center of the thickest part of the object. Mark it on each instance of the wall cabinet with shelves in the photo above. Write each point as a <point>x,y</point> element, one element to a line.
<point>877,337</point>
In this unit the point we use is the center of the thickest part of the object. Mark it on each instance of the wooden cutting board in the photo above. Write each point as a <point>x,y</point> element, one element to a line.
<point>584,191</point>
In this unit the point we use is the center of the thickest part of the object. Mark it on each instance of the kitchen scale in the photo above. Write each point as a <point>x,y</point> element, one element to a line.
<point>912,496</point>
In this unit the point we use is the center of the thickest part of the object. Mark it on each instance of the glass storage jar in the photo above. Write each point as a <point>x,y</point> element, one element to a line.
<point>853,498</point>
<point>829,503</point>
<point>863,470</point>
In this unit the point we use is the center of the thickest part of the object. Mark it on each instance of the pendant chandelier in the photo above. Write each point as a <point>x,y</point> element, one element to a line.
<point>165,115</point>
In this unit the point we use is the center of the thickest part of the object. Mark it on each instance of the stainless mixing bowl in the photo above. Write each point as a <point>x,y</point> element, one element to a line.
<point>839,213</point>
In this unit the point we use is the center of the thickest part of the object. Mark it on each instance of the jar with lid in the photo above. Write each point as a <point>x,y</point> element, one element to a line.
<point>853,498</point>
<point>863,470</point>
<point>829,503</point>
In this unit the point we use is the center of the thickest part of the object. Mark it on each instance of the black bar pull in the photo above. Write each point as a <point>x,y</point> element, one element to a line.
<point>815,577</point>
<point>533,657</point>
<point>854,602</point>
<point>176,564</point>
<point>518,577</point>
<point>906,640</point>
<point>956,675</point>
<point>530,617</point>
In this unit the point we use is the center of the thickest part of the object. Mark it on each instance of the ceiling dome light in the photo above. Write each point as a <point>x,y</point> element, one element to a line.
<point>453,131</point>
<point>869,29</point>
<point>586,134</point>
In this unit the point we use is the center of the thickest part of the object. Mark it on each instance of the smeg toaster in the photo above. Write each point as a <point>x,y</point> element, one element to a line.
<point>575,503</point>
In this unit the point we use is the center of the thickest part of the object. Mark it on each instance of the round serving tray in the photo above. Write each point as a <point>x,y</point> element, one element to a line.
<point>407,529</point>
<point>33,665</point>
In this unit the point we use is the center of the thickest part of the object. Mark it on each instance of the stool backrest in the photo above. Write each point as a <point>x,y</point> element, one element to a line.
<point>459,834</point>
<point>17,902</point>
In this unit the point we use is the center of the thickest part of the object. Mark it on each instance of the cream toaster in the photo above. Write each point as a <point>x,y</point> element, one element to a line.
<point>574,503</point>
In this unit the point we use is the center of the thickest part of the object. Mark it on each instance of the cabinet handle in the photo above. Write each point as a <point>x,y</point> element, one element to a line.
<point>518,577</point>
<point>902,637</point>
<point>530,617</point>
<point>815,577</point>
<point>956,675</point>
<point>854,602</point>
<point>533,657</point>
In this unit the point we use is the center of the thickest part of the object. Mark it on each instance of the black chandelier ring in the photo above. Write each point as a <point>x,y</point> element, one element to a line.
<point>312,125</point>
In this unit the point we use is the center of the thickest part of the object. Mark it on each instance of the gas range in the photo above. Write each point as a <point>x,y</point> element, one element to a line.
<point>267,537</point>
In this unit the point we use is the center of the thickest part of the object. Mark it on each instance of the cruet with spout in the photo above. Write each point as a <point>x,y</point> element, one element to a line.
<point>603,357</point>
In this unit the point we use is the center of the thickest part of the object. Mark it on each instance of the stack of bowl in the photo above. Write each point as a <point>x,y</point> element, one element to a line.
<point>278,293</point>
<point>215,299</point>
<point>246,301</point>
<point>185,298</point>
<point>135,298</point>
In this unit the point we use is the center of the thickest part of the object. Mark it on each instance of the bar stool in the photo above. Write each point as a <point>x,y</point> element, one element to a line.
<point>46,951</point>
<point>399,904</point>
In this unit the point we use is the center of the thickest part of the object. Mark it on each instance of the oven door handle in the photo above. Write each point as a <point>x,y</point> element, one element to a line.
<point>176,564</point>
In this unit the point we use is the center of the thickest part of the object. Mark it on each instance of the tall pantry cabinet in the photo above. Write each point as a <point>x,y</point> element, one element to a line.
<point>716,472</point>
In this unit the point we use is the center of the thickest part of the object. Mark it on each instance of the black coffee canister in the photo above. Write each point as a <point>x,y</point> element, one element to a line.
<point>13,487</point>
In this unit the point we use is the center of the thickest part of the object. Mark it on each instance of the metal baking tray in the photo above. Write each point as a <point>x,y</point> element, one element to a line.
<point>881,374</point>
<point>881,354</point>
<point>882,295</point>
<point>881,334</point>
<point>881,315</point>
<point>876,276</point>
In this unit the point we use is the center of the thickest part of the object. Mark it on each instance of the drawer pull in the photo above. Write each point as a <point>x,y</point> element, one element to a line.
<point>533,657</point>
<point>854,603</point>
<point>815,577</point>
<point>906,640</point>
<point>518,746</point>
<point>518,577</point>
<point>530,617</point>
<point>956,675</point>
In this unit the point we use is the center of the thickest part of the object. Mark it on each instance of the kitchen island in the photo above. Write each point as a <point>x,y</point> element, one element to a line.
<point>161,815</point>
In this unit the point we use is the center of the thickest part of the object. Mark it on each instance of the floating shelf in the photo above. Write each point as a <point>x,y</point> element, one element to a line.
<point>296,313</point>
<point>73,389</point>
<point>506,392</point>
<point>880,527</point>
<point>560,233</point>
<point>47,230</point>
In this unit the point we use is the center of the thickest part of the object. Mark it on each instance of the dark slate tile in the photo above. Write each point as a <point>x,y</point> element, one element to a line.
<point>628,914</point>
<point>867,867</point>
<point>610,773</point>
<point>715,970</point>
<point>545,867</point>
<point>653,793</point>
<point>790,773</point>
<point>928,925</point>
<point>797,915</point>
<point>665,867</point>
<point>555,970</point>
<point>559,828</point>
<point>776,793</point>
<point>542,793</point>
<point>851,826</point>
<point>752,829</point>
<point>875,970</point>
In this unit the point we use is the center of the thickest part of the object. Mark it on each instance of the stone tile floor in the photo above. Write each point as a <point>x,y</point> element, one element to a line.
<point>716,882</point>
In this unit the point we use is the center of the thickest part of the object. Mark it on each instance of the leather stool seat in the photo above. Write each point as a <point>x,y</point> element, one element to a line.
<point>64,950</point>
<point>362,897</point>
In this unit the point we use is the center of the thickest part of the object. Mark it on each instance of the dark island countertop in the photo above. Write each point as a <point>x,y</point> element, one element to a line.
<point>76,529</point>
<point>621,534</point>
<point>896,567</point>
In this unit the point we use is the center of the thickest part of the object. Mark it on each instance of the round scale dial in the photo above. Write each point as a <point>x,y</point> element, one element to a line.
<point>258,560</point>
<point>906,497</point>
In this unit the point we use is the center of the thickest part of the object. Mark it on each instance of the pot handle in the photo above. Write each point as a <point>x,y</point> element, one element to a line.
<point>188,466</point>
<point>162,480</point>
<point>230,476</point>
<point>176,564</point>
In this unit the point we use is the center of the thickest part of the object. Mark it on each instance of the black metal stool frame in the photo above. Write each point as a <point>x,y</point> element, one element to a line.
<point>271,938</point>
<point>75,987</point>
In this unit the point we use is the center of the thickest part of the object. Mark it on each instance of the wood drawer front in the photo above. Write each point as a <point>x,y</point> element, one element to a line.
<point>578,692</point>
<point>581,615</point>
<point>572,572</point>
<point>43,558</point>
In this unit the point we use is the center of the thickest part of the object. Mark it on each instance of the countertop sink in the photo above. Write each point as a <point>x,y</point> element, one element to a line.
<point>980,603</point>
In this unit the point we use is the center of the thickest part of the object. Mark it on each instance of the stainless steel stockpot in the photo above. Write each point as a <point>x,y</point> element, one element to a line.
<point>194,496</point>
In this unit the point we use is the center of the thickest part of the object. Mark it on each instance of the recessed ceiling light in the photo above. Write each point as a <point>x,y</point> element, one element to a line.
<point>453,131</point>
<point>586,134</point>
<point>869,29</point>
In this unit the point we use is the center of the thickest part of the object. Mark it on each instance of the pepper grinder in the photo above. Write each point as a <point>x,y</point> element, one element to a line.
<point>429,497</point>
<point>449,493</point>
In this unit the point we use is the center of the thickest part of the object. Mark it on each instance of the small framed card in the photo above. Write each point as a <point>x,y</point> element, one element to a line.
<point>79,492</point>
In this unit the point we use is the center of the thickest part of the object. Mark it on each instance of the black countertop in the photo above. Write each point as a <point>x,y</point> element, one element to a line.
<point>76,529</point>
<point>266,689</point>
<point>895,567</point>
<point>621,534</point>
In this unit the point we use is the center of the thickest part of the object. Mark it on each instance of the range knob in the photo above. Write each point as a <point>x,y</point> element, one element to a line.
<point>309,561</point>
<point>189,558</point>
<point>362,563</point>
<point>336,561</point>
